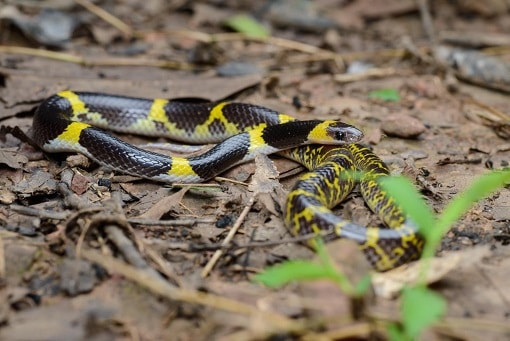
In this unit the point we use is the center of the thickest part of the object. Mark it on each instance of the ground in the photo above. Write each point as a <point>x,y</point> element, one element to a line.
<point>89,253</point>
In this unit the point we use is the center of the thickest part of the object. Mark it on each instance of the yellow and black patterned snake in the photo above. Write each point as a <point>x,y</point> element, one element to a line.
<point>74,121</point>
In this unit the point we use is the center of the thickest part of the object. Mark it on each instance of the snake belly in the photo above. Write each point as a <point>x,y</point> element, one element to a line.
<point>74,121</point>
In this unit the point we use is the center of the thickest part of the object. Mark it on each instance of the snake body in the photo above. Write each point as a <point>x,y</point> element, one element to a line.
<point>74,121</point>
<point>71,121</point>
<point>315,193</point>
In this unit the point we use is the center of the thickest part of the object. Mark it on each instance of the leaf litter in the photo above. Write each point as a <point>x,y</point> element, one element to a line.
<point>125,258</point>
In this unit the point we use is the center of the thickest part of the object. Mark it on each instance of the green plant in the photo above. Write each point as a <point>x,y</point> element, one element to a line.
<point>305,270</point>
<point>420,307</point>
<point>387,95</point>
<point>247,25</point>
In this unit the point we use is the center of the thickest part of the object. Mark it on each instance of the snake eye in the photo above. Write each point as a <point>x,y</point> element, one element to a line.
<point>340,135</point>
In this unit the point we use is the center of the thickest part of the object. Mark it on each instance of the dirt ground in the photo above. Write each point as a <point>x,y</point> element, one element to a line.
<point>89,254</point>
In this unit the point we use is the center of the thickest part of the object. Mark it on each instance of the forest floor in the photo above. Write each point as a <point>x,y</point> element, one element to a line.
<point>133,260</point>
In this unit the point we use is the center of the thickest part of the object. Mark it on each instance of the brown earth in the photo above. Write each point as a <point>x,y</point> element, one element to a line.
<point>132,260</point>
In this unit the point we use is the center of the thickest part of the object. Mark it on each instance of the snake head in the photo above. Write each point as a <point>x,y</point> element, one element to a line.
<point>335,132</point>
<point>343,132</point>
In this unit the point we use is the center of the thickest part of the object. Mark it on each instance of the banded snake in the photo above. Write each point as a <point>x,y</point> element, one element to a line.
<point>74,121</point>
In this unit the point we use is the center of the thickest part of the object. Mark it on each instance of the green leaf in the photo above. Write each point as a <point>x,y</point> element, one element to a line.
<point>331,271</point>
<point>322,253</point>
<point>297,270</point>
<point>420,308</point>
<point>362,287</point>
<point>407,197</point>
<point>247,25</point>
<point>388,95</point>
<point>395,333</point>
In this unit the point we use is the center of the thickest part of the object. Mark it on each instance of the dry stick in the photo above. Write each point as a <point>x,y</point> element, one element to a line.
<point>370,73</point>
<point>164,266</point>
<point>496,50</point>
<point>39,212</point>
<point>314,53</point>
<point>192,247</point>
<point>125,246</point>
<point>299,59</point>
<point>209,266</point>
<point>66,57</point>
<point>131,254</point>
<point>220,37</point>
<point>426,19</point>
<point>503,116</point>
<point>261,334</point>
<point>222,179</point>
<point>161,287</point>
<point>192,184</point>
<point>169,64</point>
<point>176,222</point>
<point>360,329</point>
<point>109,18</point>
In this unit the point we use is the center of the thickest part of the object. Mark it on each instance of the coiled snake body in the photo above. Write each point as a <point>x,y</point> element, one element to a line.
<point>73,121</point>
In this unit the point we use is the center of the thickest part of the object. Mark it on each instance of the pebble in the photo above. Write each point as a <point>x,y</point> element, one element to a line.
<point>402,125</point>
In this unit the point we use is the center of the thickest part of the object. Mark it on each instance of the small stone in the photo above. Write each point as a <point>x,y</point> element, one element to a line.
<point>401,125</point>
<point>78,160</point>
<point>79,184</point>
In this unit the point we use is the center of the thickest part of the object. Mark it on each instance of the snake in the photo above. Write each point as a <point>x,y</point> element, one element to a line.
<point>81,122</point>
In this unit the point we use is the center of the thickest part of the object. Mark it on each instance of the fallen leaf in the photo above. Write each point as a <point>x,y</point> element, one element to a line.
<point>164,205</point>
<point>12,159</point>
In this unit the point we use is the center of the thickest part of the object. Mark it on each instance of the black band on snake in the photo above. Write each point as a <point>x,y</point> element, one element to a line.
<point>74,121</point>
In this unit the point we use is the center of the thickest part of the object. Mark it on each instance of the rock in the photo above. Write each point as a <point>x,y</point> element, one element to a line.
<point>402,125</point>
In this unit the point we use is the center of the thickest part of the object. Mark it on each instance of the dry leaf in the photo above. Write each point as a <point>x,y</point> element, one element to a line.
<point>164,205</point>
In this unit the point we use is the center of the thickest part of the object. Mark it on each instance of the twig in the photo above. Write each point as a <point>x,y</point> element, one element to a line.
<point>109,18</point>
<point>370,73</point>
<point>300,59</point>
<point>426,20</point>
<point>70,58</point>
<point>221,37</point>
<point>40,213</point>
<point>499,114</point>
<point>274,322</point>
<point>125,246</point>
<point>98,220</point>
<point>164,266</point>
<point>194,247</point>
<point>313,53</point>
<point>212,262</point>
<point>72,199</point>
<point>220,178</point>
<point>355,331</point>
<point>176,222</point>
<point>64,57</point>
<point>197,185</point>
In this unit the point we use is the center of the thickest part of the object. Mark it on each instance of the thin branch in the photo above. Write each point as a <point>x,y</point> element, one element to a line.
<point>107,17</point>
<point>214,259</point>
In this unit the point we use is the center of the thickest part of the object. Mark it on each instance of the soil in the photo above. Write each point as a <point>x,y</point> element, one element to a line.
<point>86,253</point>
